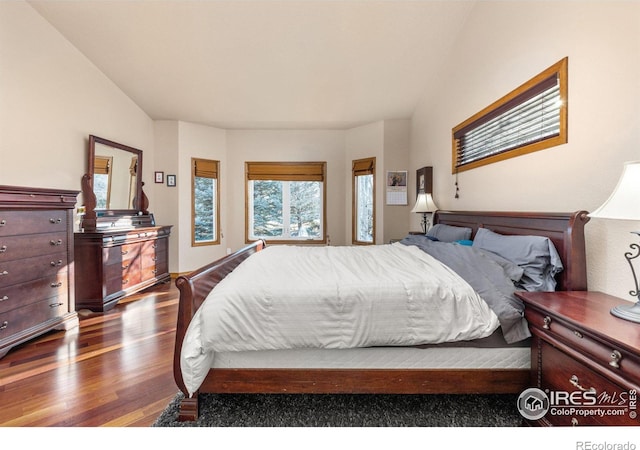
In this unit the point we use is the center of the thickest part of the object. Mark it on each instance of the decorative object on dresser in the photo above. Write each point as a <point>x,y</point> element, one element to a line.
<point>119,249</point>
<point>624,204</point>
<point>586,361</point>
<point>36,263</point>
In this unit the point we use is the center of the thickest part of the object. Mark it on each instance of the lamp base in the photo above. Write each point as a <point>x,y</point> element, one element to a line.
<point>629,312</point>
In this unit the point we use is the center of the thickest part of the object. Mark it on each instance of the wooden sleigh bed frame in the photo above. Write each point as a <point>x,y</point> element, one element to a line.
<point>566,231</point>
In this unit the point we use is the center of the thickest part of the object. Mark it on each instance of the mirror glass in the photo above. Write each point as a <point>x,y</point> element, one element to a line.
<point>115,168</point>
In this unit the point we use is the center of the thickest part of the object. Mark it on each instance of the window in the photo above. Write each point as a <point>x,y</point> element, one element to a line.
<point>364,196</point>
<point>286,201</point>
<point>102,181</point>
<point>532,117</point>
<point>206,202</point>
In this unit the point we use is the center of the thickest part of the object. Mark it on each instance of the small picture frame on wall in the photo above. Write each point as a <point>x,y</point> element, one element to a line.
<point>171,180</point>
<point>424,180</point>
<point>159,177</point>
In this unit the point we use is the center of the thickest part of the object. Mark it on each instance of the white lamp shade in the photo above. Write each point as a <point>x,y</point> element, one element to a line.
<point>424,204</point>
<point>624,203</point>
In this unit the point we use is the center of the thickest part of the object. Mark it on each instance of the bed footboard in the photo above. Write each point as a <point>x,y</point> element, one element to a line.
<point>194,289</point>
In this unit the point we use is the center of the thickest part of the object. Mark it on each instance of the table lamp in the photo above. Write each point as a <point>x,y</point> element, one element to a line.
<point>624,204</point>
<point>424,204</point>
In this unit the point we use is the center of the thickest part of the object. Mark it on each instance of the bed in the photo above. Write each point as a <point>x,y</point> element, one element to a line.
<point>421,369</point>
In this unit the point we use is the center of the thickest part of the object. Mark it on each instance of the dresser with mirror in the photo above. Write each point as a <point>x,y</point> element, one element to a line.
<point>119,249</point>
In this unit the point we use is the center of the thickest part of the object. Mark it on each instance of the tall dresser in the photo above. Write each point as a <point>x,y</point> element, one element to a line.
<point>36,263</point>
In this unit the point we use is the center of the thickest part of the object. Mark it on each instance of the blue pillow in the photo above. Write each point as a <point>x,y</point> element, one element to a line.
<point>449,233</point>
<point>465,242</point>
<point>536,255</point>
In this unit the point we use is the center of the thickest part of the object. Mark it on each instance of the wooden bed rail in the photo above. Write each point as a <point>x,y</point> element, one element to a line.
<point>194,288</point>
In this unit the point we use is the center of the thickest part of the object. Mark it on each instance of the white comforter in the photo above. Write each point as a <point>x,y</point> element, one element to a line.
<point>333,297</point>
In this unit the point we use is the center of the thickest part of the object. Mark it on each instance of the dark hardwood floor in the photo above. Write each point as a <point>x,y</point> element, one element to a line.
<point>115,370</point>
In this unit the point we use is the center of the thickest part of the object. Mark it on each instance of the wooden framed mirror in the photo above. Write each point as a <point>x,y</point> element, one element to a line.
<point>112,186</point>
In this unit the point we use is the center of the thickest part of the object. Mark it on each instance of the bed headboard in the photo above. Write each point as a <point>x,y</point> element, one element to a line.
<point>566,231</point>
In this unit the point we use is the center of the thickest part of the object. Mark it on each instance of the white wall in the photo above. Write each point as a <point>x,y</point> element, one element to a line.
<point>504,44</point>
<point>397,142</point>
<point>51,99</point>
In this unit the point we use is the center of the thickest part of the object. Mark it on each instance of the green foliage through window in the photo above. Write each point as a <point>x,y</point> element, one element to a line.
<point>206,200</point>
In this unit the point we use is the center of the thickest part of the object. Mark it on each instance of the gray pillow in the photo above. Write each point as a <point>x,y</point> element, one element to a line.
<point>449,233</point>
<point>536,255</point>
<point>511,269</point>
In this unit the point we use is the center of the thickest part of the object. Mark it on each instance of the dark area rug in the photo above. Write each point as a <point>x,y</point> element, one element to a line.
<point>324,410</point>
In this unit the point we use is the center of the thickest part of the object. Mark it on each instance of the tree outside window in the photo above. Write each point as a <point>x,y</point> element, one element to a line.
<point>285,202</point>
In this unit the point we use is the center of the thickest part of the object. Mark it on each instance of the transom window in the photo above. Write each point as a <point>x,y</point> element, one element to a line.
<point>286,201</point>
<point>532,117</point>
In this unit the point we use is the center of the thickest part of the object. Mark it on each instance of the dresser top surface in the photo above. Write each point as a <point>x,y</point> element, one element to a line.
<point>588,311</point>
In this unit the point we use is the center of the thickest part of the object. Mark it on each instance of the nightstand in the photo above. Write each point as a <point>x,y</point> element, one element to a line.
<point>586,360</point>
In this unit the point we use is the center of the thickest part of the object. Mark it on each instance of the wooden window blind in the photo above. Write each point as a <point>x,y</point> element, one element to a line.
<point>102,165</point>
<point>286,171</point>
<point>205,168</point>
<point>530,118</point>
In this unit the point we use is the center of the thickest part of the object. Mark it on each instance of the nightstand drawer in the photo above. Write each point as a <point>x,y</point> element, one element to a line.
<point>610,357</point>
<point>582,397</point>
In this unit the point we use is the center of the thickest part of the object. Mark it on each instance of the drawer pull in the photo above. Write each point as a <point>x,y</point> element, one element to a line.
<point>3,222</point>
<point>547,321</point>
<point>154,271</point>
<point>56,285</point>
<point>577,333</point>
<point>5,324</point>
<point>576,382</point>
<point>574,422</point>
<point>3,298</point>
<point>125,282</point>
<point>54,264</point>
<point>58,242</point>
<point>616,356</point>
<point>4,272</point>
<point>125,267</point>
<point>124,252</point>
<point>3,249</point>
<point>52,220</point>
<point>55,305</point>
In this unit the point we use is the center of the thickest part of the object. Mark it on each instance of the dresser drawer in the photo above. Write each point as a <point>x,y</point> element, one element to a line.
<point>119,278</point>
<point>154,253</point>
<point>594,399</point>
<point>19,319</point>
<point>26,246</point>
<point>121,253</point>
<point>14,223</point>
<point>611,358</point>
<point>17,295</point>
<point>21,270</point>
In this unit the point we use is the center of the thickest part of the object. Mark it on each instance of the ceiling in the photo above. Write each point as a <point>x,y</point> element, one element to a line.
<point>265,64</point>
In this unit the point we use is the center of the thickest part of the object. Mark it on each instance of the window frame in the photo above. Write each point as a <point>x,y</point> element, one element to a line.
<point>286,171</point>
<point>361,167</point>
<point>510,101</point>
<point>215,174</point>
